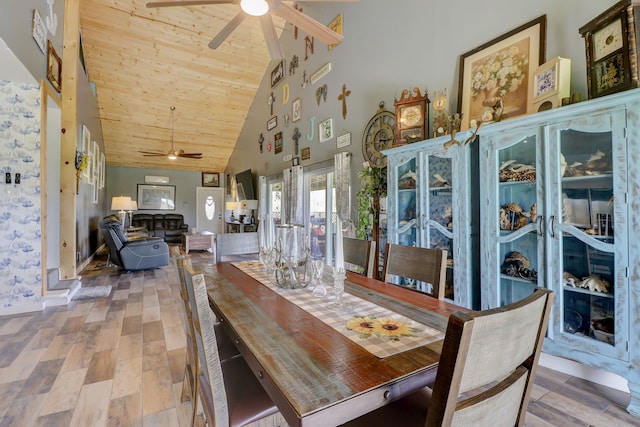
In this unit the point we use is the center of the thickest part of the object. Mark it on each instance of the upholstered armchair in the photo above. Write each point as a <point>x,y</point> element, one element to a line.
<point>139,254</point>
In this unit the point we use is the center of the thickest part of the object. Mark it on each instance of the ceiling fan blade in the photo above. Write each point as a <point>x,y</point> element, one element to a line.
<point>191,155</point>
<point>306,23</point>
<point>147,154</point>
<point>187,3</point>
<point>228,29</point>
<point>270,36</point>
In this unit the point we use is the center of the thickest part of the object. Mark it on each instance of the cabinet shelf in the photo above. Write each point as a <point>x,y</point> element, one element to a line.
<point>517,279</point>
<point>603,181</point>
<point>587,291</point>
<point>517,183</point>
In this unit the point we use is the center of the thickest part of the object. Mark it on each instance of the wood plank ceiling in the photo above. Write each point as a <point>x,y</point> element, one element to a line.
<point>143,61</point>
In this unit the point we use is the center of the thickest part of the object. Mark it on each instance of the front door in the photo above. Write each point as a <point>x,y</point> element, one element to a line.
<point>210,209</point>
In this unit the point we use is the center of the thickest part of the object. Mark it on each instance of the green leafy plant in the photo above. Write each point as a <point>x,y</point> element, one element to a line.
<point>373,185</point>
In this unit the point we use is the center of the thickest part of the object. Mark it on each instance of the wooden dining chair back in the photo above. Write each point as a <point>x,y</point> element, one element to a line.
<point>494,352</point>
<point>422,264</point>
<point>189,382</point>
<point>360,253</point>
<point>230,393</point>
<point>236,246</point>
<point>485,374</point>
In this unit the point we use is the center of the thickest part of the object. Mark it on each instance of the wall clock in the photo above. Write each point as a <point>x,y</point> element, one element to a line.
<point>378,135</point>
<point>412,115</point>
<point>611,42</point>
<point>551,83</point>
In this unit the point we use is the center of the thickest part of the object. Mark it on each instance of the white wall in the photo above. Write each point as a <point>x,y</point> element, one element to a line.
<point>388,47</point>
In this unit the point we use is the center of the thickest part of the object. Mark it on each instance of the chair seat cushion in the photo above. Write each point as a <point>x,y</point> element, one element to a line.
<point>246,399</point>
<point>248,402</point>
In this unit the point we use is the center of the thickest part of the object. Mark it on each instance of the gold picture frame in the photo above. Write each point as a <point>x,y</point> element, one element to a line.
<point>54,67</point>
<point>487,84</point>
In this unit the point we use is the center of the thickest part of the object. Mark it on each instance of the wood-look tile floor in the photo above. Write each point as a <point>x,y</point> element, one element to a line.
<point>119,360</point>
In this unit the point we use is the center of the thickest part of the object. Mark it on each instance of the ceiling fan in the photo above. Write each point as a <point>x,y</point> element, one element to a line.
<point>172,154</point>
<point>262,9</point>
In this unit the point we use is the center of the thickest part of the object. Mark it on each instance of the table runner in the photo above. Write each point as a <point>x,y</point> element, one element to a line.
<point>378,330</point>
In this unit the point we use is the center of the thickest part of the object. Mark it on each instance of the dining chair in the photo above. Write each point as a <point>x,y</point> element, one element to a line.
<point>361,253</point>
<point>236,246</point>
<point>486,370</point>
<point>189,382</point>
<point>229,392</point>
<point>422,264</point>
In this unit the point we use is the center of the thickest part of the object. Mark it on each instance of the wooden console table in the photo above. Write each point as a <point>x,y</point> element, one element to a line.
<point>197,241</point>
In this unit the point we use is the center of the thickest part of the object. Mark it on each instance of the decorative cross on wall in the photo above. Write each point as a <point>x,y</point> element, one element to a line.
<point>343,97</point>
<point>296,137</point>
<point>271,101</point>
<point>260,141</point>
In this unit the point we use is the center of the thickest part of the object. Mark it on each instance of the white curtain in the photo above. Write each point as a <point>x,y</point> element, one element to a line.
<point>342,182</point>
<point>263,212</point>
<point>292,197</point>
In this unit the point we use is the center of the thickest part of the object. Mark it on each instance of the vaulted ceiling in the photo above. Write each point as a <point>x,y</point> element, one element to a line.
<point>145,60</point>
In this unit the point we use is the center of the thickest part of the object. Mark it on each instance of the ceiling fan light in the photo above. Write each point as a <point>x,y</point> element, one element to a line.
<point>254,7</point>
<point>172,156</point>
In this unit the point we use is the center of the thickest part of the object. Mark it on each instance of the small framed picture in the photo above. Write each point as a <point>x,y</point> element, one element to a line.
<point>306,153</point>
<point>54,67</point>
<point>272,123</point>
<point>210,179</point>
<point>325,130</point>
<point>296,110</point>
<point>278,142</point>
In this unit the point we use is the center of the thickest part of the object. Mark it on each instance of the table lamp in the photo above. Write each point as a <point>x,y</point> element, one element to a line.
<point>134,207</point>
<point>121,204</point>
<point>250,205</point>
<point>230,206</point>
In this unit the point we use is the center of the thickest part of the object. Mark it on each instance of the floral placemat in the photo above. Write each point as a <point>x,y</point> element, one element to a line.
<point>378,330</point>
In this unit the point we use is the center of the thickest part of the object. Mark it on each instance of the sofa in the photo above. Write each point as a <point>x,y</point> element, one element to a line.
<point>139,254</point>
<point>169,227</point>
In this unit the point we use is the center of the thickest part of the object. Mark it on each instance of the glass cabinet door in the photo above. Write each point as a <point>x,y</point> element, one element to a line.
<point>406,219</point>
<point>588,221</point>
<point>438,212</point>
<point>512,233</point>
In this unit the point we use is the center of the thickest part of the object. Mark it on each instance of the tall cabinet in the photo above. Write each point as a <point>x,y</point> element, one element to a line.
<point>428,202</point>
<point>559,208</point>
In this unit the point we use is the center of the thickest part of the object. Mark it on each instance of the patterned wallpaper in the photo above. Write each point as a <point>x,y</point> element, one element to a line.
<point>20,208</point>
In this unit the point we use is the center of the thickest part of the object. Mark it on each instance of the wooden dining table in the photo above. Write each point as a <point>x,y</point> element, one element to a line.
<point>314,374</point>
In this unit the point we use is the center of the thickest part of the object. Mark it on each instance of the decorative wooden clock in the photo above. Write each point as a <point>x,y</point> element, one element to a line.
<point>412,116</point>
<point>379,135</point>
<point>611,42</point>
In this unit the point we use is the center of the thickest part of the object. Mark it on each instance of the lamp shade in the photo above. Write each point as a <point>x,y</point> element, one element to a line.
<point>249,204</point>
<point>231,206</point>
<point>121,203</point>
<point>134,205</point>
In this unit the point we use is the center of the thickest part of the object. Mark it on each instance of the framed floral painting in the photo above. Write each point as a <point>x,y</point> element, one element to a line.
<point>495,78</point>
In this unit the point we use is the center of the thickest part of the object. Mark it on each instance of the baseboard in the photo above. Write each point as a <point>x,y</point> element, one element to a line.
<point>588,373</point>
<point>21,309</point>
<point>86,262</point>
